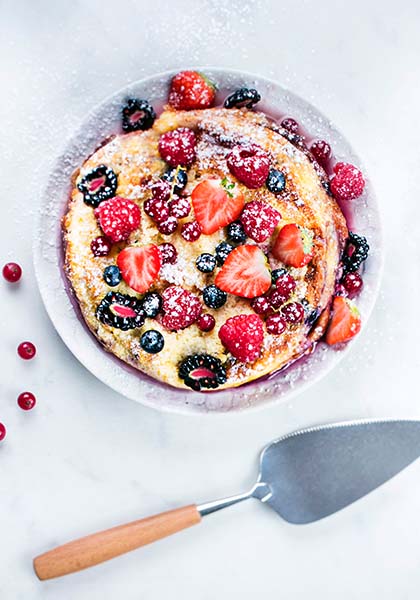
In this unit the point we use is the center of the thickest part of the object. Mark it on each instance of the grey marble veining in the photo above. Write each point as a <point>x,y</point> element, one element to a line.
<point>86,458</point>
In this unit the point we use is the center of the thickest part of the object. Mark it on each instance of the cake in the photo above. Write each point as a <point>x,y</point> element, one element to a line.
<point>206,245</point>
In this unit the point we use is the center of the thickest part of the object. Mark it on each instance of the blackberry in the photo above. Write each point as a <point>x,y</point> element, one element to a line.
<point>98,185</point>
<point>355,252</point>
<point>202,371</point>
<point>121,311</point>
<point>151,304</point>
<point>276,181</point>
<point>214,297</point>
<point>243,97</point>
<point>177,177</point>
<point>222,252</point>
<point>112,275</point>
<point>152,341</point>
<point>137,115</point>
<point>205,263</point>
<point>236,232</point>
<point>277,273</point>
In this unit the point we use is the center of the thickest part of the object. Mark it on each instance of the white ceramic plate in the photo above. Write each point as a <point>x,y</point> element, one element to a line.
<point>103,121</point>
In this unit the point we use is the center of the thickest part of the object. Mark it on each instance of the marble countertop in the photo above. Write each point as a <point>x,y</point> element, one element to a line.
<point>86,458</point>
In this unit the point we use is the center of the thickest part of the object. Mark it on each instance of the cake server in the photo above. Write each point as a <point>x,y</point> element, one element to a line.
<point>304,476</point>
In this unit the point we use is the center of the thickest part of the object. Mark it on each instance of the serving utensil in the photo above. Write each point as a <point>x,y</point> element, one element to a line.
<point>304,476</point>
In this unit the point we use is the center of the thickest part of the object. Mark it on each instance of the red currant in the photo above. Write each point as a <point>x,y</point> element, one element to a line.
<point>206,322</point>
<point>26,350</point>
<point>321,151</point>
<point>276,324</point>
<point>26,400</point>
<point>2,432</point>
<point>101,246</point>
<point>290,124</point>
<point>12,272</point>
<point>352,283</point>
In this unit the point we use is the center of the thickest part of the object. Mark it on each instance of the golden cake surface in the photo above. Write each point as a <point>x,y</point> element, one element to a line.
<point>135,159</point>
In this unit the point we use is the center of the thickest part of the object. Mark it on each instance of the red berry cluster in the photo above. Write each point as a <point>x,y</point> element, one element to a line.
<point>165,208</point>
<point>279,298</point>
<point>12,272</point>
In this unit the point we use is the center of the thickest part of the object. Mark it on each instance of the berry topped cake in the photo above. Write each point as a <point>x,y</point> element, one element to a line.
<point>206,245</point>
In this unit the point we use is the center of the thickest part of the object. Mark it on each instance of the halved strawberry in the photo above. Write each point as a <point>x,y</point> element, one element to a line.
<point>345,321</point>
<point>139,266</point>
<point>294,245</point>
<point>217,203</point>
<point>245,272</point>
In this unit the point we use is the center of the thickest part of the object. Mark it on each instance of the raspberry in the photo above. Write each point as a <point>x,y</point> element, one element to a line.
<point>181,308</point>
<point>157,209</point>
<point>168,226</point>
<point>347,183</point>
<point>191,231</point>
<point>118,217</point>
<point>161,190</point>
<point>352,283</point>
<point>180,207</point>
<point>293,312</point>
<point>177,147</point>
<point>259,220</point>
<point>249,164</point>
<point>168,254</point>
<point>321,151</point>
<point>275,324</point>
<point>206,322</point>
<point>261,305</point>
<point>243,337</point>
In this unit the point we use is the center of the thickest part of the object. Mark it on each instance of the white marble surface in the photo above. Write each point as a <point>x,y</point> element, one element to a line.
<point>87,458</point>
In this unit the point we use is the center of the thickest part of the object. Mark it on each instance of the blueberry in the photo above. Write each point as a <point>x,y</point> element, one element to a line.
<point>152,341</point>
<point>243,97</point>
<point>236,232</point>
<point>205,263</point>
<point>277,273</point>
<point>137,115</point>
<point>151,304</point>
<point>214,297</point>
<point>222,252</point>
<point>112,275</point>
<point>177,177</point>
<point>276,181</point>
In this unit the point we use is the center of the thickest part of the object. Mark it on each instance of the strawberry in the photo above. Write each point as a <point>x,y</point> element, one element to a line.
<point>294,245</point>
<point>139,266</point>
<point>243,337</point>
<point>245,272</point>
<point>118,217</point>
<point>191,90</point>
<point>216,203</point>
<point>345,321</point>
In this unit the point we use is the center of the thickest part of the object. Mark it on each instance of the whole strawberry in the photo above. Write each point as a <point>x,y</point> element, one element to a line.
<point>191,90</point>
<point>243,336</point>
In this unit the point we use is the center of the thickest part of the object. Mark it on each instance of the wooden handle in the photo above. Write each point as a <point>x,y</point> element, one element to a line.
<point>102,546</point>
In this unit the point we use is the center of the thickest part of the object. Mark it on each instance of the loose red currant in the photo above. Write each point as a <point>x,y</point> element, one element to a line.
<point>26,350</point>
<point>12,272</point>
<point>26,400</point>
